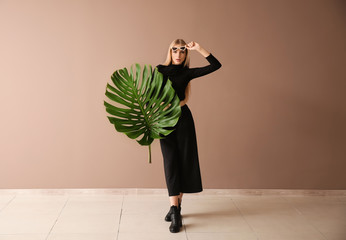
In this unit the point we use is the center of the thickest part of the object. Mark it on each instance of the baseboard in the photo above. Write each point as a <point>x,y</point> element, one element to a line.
<point>158,191</point>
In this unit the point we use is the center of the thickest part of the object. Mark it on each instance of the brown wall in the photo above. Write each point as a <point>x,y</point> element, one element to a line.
<point>272,117</point>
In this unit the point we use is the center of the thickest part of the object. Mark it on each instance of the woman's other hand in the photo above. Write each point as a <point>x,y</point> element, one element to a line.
<point>193,46</point>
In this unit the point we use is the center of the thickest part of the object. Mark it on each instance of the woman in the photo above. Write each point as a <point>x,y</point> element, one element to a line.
<point>179,149</point>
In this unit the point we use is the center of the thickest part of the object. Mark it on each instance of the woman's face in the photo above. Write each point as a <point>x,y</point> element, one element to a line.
<point>178,55</point>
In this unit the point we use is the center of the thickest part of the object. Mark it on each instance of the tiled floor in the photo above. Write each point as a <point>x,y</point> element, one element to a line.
<point>140,216</point>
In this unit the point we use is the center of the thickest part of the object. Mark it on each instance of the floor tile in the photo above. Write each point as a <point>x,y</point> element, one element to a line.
<point>342,199</point>
<point>28,223</point>
<point>265,206</point>
<point>335,236</point>
<point>143,223</point>
<point>306,235</point>
<point>79,236</point>
<point>35,205</point>
<point>224,206</point>
<point>280,224</point>
<point>86,223</point>
<point>152,236</point>
<point>97,206</point>
<point>23,236</point>
<point>102,216</point>
<point>221,236</point>
<point>145,205</point>
<point>209,222</point>
<point>213,215</point>
<point>327,214</point>
<point>5,200</point>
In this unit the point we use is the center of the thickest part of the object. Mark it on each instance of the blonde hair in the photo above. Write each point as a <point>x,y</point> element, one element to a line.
<point>186,62</point>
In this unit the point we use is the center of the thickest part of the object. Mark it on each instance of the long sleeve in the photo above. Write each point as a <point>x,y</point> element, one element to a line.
<point>201,71</point>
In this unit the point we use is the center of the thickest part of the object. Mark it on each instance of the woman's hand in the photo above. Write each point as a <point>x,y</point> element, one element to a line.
<point>193,46</point>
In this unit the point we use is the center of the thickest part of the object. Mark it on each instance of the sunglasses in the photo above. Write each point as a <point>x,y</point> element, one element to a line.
<point>182,49</point>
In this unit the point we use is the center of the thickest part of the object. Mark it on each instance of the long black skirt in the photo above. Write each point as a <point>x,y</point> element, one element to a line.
<point>180,157</point>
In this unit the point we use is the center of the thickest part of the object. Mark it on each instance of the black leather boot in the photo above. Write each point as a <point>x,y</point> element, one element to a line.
<point>176,220</point>
<point>168,216</point>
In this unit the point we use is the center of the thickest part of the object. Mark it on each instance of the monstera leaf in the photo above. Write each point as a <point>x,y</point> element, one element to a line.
<point>147,108</point>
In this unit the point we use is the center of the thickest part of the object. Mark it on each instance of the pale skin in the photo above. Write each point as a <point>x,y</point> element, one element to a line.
<point>178,57</point>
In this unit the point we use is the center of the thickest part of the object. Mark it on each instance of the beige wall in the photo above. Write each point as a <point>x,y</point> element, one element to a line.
<point>272,117</point>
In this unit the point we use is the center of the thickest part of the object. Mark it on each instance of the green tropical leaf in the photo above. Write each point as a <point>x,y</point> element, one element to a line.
<point>147,108</point>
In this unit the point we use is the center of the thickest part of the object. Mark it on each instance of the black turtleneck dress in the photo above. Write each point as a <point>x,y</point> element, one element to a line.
<point>179,148</point>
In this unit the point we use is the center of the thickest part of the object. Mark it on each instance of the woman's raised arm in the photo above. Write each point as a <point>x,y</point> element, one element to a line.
<point>214,64</point>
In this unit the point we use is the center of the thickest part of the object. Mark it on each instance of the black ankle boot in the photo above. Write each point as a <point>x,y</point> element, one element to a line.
<point>168,216</point>
<point>176,220</point>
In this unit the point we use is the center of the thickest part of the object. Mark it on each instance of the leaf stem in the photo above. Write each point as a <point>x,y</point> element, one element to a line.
<point>149,153</point>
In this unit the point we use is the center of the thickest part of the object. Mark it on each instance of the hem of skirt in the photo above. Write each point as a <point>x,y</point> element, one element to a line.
<point>190,191</point>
